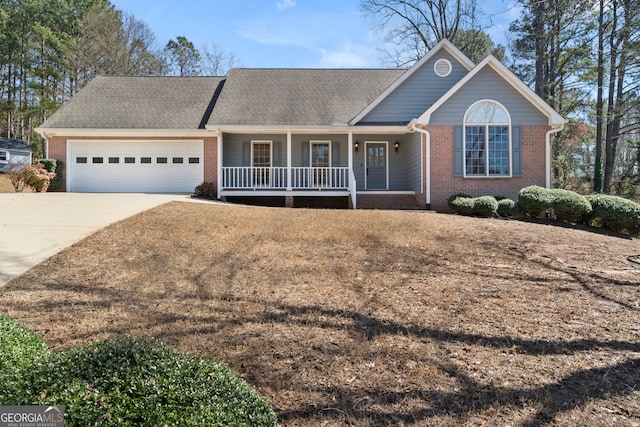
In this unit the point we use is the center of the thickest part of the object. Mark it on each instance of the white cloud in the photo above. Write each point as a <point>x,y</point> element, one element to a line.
<point>286,4</point>
<point>347,56</point>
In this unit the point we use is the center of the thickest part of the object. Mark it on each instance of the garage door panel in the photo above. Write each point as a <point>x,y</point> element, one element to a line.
<point>121,176</point>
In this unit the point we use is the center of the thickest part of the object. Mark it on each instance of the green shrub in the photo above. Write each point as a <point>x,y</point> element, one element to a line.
<point>569,206</point>
<point>616,213</point>
<point>455,196</point>
<point>485,206</point>
<point>49,164</point>
<point>506,207</point>
<point>19,350</point>
<point>533,200</point>
<point>463,205</point>
<point>142,383</point>
<point>207,190</point>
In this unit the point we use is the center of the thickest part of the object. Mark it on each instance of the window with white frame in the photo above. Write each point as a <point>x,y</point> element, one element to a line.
<point>4,157</point>
<point>487,140</point>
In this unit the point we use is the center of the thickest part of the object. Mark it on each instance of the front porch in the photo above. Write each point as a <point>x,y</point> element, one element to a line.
<point>288,166</point>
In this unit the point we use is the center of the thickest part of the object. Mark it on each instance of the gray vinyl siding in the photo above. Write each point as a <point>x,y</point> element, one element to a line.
<point>16,158</point>
<point>414,163</point>
<point>234,148</point>
<point>488,84</point>
<point>397,169</point>
<point>417,93</point>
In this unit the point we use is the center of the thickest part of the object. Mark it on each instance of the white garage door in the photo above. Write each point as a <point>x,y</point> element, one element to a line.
<point>135,166</point>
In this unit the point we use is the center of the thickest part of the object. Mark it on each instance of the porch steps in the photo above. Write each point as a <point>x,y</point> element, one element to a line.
<point>388,201</point>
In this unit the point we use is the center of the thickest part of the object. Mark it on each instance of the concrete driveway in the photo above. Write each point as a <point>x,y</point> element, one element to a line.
<point>34,226</point>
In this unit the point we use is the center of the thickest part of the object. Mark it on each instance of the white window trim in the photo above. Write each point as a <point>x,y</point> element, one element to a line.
<point>254,142</point>
<point>318,142</point>
<point>486,125</point>
<point>386,143</point>
<point>7,156</point>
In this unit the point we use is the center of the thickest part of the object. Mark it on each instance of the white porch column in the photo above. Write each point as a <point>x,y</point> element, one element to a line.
<point>219,165</point>
<point>289,187</point>
<point>350,151</point>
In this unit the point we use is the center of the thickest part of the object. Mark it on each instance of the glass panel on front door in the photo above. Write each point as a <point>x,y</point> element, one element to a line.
<point>320,163</point>
<point>261,164</point>
<point>376,166</point>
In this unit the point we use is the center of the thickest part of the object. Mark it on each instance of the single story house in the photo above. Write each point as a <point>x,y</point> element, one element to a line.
<point>14,153</point>
<point>375,138</point>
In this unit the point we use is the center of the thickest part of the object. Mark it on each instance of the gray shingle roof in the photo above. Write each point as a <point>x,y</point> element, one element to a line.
<point>138,103</point>
<point>14,144</point>
<point>298,96</point>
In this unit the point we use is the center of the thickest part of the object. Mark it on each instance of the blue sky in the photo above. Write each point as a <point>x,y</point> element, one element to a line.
<point>286,33</point>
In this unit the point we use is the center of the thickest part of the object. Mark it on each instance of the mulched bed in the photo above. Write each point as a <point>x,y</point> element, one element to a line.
<point>364,318</point>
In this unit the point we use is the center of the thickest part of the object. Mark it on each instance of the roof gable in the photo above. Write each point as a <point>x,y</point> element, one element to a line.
<point>14,144</point>
<point>419,74</point>
<point>138,103</point>
<point>510,79</point>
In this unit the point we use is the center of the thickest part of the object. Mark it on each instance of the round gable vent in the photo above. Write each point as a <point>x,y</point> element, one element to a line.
<point>442,67</point>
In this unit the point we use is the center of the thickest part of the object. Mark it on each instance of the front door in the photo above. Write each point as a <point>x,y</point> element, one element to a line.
<point>376,166</point>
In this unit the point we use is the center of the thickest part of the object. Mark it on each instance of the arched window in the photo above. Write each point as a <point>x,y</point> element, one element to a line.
<point>487,140</point>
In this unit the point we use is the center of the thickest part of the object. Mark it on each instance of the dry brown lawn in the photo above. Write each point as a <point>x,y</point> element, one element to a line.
<point>364,318</point>
<point>5,184</point>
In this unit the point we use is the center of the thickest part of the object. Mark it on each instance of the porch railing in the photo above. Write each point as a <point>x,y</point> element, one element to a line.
<point>302,178</point>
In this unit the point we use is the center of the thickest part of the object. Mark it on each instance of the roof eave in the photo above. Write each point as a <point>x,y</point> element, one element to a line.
<point>335,129</point>
<point>109,132</point>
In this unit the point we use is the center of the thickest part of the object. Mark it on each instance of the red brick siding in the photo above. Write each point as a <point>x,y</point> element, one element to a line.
<point>57,149</point>
<point>444,184</point>
<point>57,146</point>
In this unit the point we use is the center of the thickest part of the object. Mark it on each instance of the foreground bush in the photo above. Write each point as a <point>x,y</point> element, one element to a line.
<point>141,383</point>
<point>569,206</point>
<point>534,200</point>
<point>19,350</point>
<point>615,213</point>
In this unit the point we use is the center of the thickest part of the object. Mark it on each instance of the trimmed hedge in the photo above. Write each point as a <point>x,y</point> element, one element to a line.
<point>534,200</point>
<point>486,206</point>
<point>453,197</point>
<point>569,206</point>
<point>616,213</point>
<point>463,204</point>
<point>126,383</point>
<point>506,207</point>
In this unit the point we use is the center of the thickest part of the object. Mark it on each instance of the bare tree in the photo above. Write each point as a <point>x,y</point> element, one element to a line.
<point>113,43</point>
<point>415,26</point>
<point>216,60</point>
